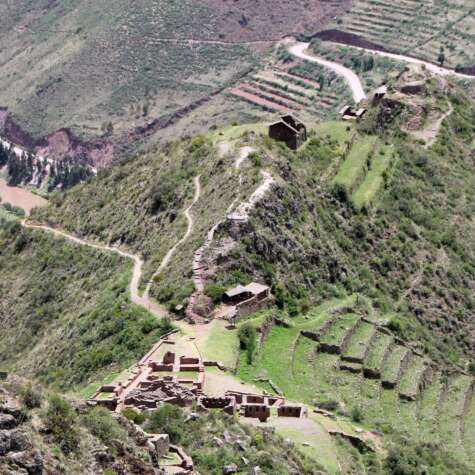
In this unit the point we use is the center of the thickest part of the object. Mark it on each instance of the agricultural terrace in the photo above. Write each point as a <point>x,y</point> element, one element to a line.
<point>393,387</point>
<point>416,28</point>
<point>294,86</point>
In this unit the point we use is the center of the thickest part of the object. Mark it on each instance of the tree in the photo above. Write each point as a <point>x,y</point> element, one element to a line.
<point>441,57</point>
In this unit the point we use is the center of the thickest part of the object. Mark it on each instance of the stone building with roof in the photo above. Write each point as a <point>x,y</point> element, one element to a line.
<point>289,129</point>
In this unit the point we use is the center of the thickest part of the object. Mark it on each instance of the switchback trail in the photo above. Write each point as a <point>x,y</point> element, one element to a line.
<point>170,253</point>
<point>143,300</point>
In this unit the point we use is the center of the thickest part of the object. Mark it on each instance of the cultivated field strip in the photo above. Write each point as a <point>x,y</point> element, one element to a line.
<point>417,28</point>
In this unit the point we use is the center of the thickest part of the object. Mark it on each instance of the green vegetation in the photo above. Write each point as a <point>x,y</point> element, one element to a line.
<point>378,351</point>
<point>264,449</point>
<point>61,422</point>
<point>375,180</point>
<point>355,166</point>
<point>432,31</point>
<point>49,284</point>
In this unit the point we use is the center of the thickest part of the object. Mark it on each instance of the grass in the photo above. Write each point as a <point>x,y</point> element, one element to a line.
<point>469,429</point>
<point>377,351</point>
<point>321,448</point>
<point>374,181</point>
<point>393,363</point>
<point>358,344</point>
<point>354,168</point>
<point>336,130</point>
<point>221,345</point>
<point>451,413</point>
<point>339,329</point>
<point>429,410</point>
<point>410,380</point>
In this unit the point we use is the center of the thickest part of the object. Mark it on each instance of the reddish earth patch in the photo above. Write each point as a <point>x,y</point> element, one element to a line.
<point>20,197</point>
<point>274,97</point>
<point>251,20</point>
<point>258,100</point>
<point>97,153</point>
<point>337,36</point>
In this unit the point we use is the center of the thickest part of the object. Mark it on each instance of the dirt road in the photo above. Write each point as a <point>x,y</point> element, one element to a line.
<point>298,50</point>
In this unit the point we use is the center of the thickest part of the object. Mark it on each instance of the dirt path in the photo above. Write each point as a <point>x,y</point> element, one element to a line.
<point>143,300</point>
<point>298,50</point>
<point>172,251</point>
<point>429,134</point>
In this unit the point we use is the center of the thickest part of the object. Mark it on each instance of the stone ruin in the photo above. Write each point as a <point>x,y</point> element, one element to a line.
<point>254,406</point>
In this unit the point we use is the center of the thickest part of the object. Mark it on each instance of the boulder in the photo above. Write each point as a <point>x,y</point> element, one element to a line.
<point>218,442</point>
<point>7,421</point>
<point>11,407</point>
<point>19,441</point>
<point>29,460</point>
<point>5,443</point>
<point>229,469</point>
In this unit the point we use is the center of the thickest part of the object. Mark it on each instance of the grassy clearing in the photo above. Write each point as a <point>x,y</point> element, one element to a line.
<point>429,410</point>
<point>336,130</point>
<point>321,448</point>
<point>359,342</point>
<point>377,351</point>
<point>339,329</point>
<point>374,181</point>
<point>451,413</point>
<point>274,359</point>
<point>221,345</point>
<point>353,169</point>
<point>469,430</point>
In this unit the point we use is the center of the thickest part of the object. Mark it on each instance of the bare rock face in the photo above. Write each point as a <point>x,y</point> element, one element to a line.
<point>7,421</point>
<point>30,460</point>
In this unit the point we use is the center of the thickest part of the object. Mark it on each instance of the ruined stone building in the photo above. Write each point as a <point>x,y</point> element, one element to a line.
<point>290,130</point>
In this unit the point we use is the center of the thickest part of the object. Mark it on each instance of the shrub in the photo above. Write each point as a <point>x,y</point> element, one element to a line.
<point>247,339</point>
<point>167,419</point>
<point>101,424</point>
<point>215,292</point>
<point>61,422</point>
<point>356,414</point>
<point>30,396</point>
<point>134,416</point>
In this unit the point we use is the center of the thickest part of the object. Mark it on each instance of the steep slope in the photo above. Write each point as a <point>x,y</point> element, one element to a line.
<point>65,309</point>
<point>89,64</point>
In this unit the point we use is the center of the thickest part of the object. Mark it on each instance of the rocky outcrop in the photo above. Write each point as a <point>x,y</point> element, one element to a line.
<point>17,455</point>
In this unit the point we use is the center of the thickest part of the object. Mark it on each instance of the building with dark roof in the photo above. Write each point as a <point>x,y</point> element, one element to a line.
<point>289,129</point>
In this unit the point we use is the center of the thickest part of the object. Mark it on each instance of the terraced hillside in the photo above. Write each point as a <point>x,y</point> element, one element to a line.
<point>336,353</point>
<point>301,88</point>
<point>416,28</point>
<point>88,64</point>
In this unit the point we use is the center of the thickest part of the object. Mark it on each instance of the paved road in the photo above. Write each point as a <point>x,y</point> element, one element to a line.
<point>299,50</point>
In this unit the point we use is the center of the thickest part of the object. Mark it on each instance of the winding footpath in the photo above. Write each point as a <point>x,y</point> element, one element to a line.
<point>143,300</point>
<point>172,251</point>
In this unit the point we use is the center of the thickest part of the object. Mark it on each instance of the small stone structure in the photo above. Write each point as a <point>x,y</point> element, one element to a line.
<point>292,411</point>
<point>348,113</point>
<point>248,299</point>
<point>380,93</point>
<point>226,403</point>
<point>290,130</point>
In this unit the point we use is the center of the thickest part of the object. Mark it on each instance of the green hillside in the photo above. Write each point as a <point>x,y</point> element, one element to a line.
<point>65,311</point>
